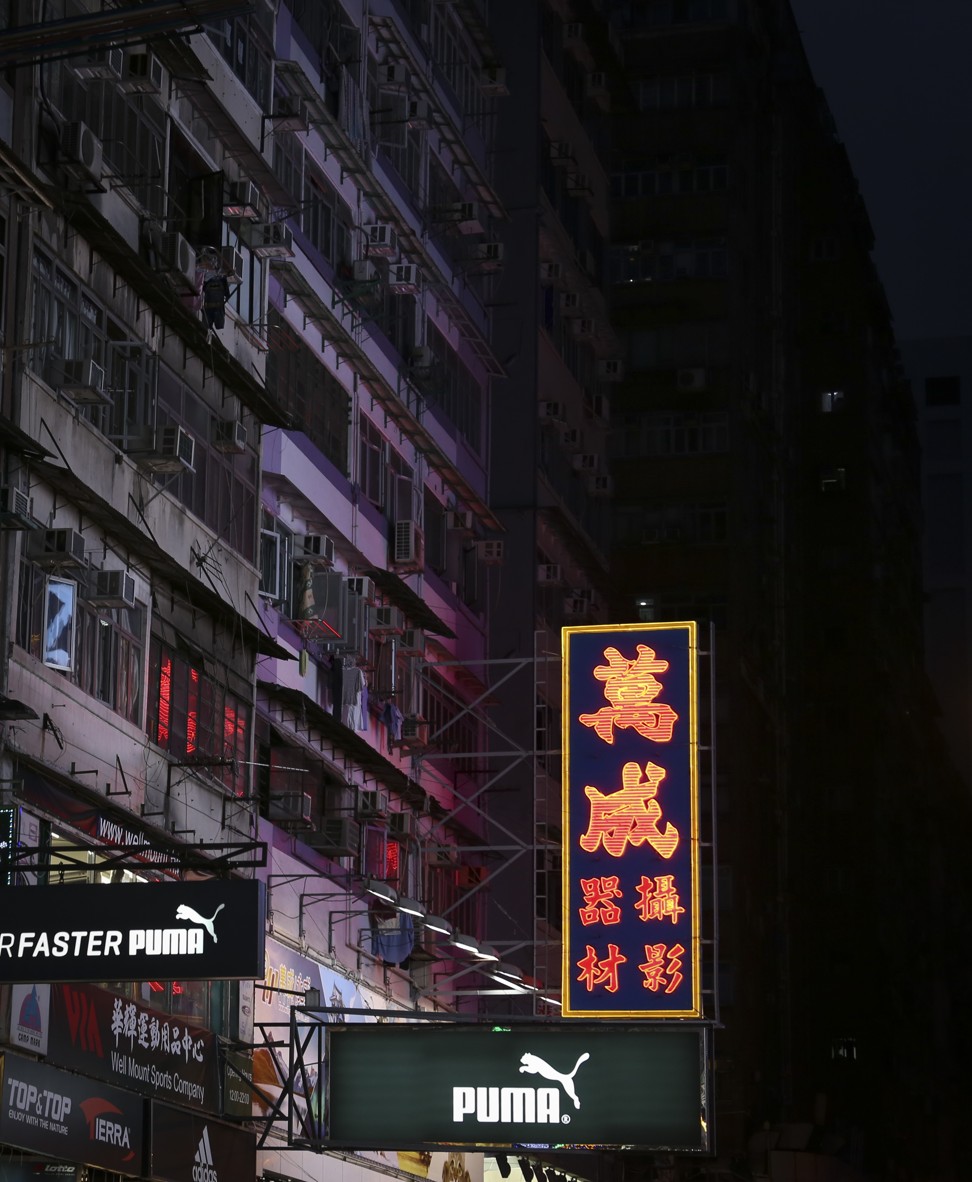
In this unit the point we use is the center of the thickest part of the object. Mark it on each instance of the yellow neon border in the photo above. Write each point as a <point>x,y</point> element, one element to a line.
<point>696,942</point>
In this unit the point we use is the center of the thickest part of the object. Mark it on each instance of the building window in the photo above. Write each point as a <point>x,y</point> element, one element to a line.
<point>683,92</point>
<point>831,401</point>
<point>943,391</point>
<point>195,718</point>
<point>60,607</point>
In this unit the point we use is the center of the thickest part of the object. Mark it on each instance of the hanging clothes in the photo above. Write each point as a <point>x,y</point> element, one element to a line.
<point>353,688</point>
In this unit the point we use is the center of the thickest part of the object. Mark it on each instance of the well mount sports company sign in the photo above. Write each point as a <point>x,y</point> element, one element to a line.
<point>133,932</point>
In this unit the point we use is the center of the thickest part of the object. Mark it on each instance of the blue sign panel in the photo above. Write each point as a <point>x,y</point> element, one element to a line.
<point>631,825</point>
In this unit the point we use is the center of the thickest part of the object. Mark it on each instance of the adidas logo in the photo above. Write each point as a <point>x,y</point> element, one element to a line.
<point>203,1169</point>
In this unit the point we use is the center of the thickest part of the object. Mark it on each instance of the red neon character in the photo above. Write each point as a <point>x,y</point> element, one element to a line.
<point>629,815</point>
<point>655,968</point>
<point>658,898</point>
<point>598,893</point>
<point>604,972</point>
<point>631,688</point>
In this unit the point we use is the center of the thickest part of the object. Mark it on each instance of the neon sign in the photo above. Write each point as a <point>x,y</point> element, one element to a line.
<point>631,912</point>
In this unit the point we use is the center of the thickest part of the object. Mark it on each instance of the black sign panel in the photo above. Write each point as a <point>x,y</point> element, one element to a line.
<point>133,932</point>
<point>189,1148</point>
<point>398,1085</point>
<point>113,1038</point>
<point>44,1110</point>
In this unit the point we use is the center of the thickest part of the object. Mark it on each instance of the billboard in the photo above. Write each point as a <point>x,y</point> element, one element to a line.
<point>44,1110</point>
<point>630,823</point>
<point>133,932</point>
<point>191,1148</point>
<point>540,1086</point>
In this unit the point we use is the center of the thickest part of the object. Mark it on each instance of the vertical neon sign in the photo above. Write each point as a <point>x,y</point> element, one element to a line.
<point>631,826</point>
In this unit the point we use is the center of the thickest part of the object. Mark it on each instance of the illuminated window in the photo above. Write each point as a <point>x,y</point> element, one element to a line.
<point>57,645</point>
<point>831,400</point>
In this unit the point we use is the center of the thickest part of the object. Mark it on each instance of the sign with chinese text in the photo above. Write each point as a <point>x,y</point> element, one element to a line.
<point>568,1086</point>
<point>54,1112</point>
<point>127,1043</point>
<point>630,858</point>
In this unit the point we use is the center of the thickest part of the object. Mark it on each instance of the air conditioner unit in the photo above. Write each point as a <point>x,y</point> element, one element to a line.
<point>387,621</point>
<point>179,259</point>
<point>290,114</point>
<point>174,451</point>
<point>415,731</point>
<point>442,856</point>
<point>381,239</point>
<point>561,153</point>
<point>460,521</point>
<point>489,255</point>
<point>551,272</point>
<point>316,548</point>
<point>418,114</point>
<point>572,438</point>
<point>403,278</point>
<point>141,73</point>
<point>490,551</point>
<point>690,379</point>
<point>601,486</point>
<point>492,81</point>
<point>401,824</point>
<point>364,271</point>
<point>611,370</point>
<point>291,809</point>
<point>422,360</point>
<point>229,436</point>
<point>231,264</point>
<point>408,545</point>
<point>549,572</point>
<point>370,804</point>
<point>51,548</point>
<point>82,151</point>
<point>338,836</point>
<point>587,462</point>
<point>573,34</point>
<point>584,326</point>
<point>555,412</point>
<point>412,641</point>
<point>111,588</point>
<point>576,607</point>
<point>244,200</point>
<point>570,303</point>
<point>393,76</point>
<point>270,240</point>
<point>596,84</point>
<point>464,216</point>
<point>105,65</point>
<point>82,381</point>
<point>601,405</point>
<point>16,509</point>
<point>361,586</point>
<point>578,182</point>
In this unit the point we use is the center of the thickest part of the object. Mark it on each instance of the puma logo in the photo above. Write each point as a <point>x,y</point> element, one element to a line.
<point>185,912</point>
<point>534,1065</point>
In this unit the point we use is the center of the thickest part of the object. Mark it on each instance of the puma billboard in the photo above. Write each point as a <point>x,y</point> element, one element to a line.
<point>133,932</point>
<point>410,1086</point>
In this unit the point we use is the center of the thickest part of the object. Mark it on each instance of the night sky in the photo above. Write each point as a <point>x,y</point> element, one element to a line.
<point>898,80</point>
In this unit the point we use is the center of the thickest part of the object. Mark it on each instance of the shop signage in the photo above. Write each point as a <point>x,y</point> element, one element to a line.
<point>546,1086</point>
<point>631,827</point>
<point>126,1043</point>
<point>133,932</point>
<point>44,1110</point>
<point>189,1148</point>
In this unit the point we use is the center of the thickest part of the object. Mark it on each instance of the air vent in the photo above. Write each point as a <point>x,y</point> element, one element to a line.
<point>141,73</point>
<point>111,588</point>
<point>337,836</point>
<point>229,436</point>
<point>53,548</point>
